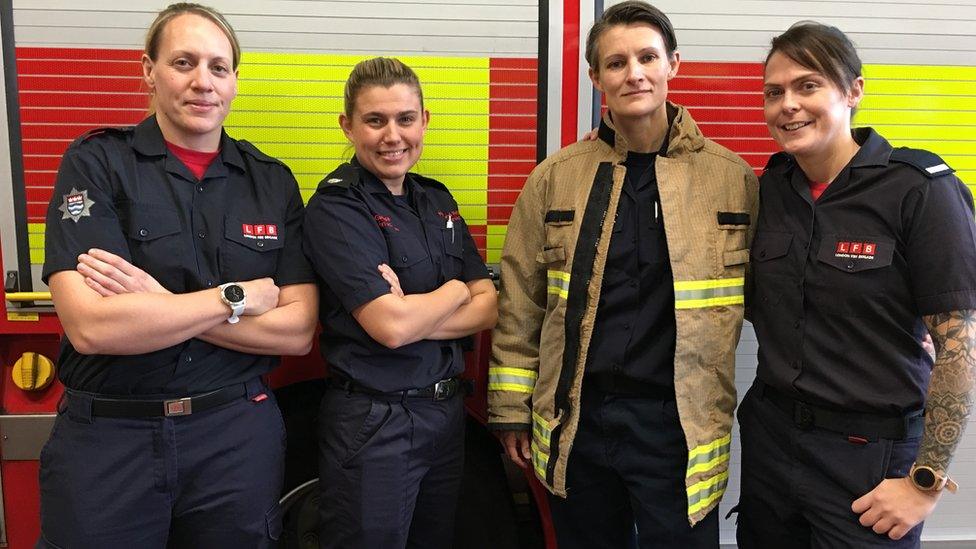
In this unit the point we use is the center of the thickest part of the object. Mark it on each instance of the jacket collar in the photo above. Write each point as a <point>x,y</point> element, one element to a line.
<point>683,137</point>
<point>373,185</point>
<point>148,141</point>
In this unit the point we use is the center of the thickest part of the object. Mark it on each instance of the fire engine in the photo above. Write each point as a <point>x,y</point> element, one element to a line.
<point>506,85</point>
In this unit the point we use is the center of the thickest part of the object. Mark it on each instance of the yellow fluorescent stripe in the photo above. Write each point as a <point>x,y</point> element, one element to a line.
<point>711,446</point>
<point>306,88</point>
<point>520,372</point>
<point>493,255</point>
<point>416,62</point>
<point>706,484</point>
<point>711,302</point>
<point>895,131</point>
<point>35,240</point>
<point>37,256</point>
<point>284,150</point>
<point>941,148</point>
<point>918,87</point>
<point>708,465</point>
<point>36,228</point>
<point>331,104</point>
<point>867,117</point>
<point>556,290</point>
<point>702,504</point>
<point>708,284</point>
<point>332,135</point>
<point>919,72</point>
<point>919,102</point>
<point>514,387</point>
<point>328,119</point>
<point>561,275</point>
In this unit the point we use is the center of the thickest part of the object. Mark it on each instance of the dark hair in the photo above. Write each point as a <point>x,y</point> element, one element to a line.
<point>155,34</point>
<point>384,72</point>
<point>821,48</point>
<point>628,13</point>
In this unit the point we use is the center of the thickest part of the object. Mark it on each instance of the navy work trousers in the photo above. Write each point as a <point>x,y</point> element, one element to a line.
<point>625,479</point>
<point>798,484</point>
<point>210,479</point>
<point>390,470</point>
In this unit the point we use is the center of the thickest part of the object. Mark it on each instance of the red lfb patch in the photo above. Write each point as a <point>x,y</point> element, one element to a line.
<point>869,248</point>
<point>247,229</point>
<point>272,230</point>
<point>856,247</point>
<point>843,247</point>
<point>261,231</point>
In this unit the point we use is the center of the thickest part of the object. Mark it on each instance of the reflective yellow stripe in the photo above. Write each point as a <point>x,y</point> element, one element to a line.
<point>704,493</point>
<point>506,378</point>
<point>540,430</point>
<point>558,283</point>
<point>540,460</point>
<point>696,294</point>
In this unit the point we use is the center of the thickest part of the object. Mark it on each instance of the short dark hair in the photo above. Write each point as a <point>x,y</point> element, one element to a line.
<point>821,48</point>
<point>628,13</point>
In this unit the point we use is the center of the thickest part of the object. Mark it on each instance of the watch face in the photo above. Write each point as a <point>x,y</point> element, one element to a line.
<point>924,478</point>
<point>233,293</point>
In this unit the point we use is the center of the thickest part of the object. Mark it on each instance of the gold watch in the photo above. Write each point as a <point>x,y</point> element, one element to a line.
<point>928,479</point>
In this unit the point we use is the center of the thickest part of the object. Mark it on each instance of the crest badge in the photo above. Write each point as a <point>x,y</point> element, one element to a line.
<point>76,205</point>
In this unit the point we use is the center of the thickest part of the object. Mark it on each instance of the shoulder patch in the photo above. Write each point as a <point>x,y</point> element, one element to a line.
<point>924,161</point>
<point>428,182</point>
<point>248,148</point>
<point>778,160</point>
<point>343,177</point>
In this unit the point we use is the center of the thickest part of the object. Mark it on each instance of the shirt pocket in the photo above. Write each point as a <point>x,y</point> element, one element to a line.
<point>453,241</point>
<point>250,250</point>
<point>410,260</point>
<point>771,268</point>
<point>854,274</point>
<point>153,233</point>
<point>560,225</point>
<point>733,251</point>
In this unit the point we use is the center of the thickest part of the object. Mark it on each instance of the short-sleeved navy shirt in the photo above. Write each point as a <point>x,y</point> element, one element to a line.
<point>841,284</point>
<point>123,191</point>
<point>353,224</point>
<point>634,334</point>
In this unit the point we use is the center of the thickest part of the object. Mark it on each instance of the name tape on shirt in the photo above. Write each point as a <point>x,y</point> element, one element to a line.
<point>452,215</point>
<point>385,222</point>
<point>260,231</point>
<point>856,250</point>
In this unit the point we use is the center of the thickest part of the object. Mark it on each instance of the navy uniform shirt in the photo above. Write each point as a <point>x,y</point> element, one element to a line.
<point>353,224</point>
<point>634,334</point>
<point>841,284</point>
<point>123,191</point>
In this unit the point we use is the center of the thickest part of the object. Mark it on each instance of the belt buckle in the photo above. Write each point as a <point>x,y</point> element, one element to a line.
<point>442,389</point>
<point>802,416</point>
<point>178,407</point>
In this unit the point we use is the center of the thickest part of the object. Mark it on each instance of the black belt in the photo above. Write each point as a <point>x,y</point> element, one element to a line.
<point>626,386</point>
<point>869,426</point>
<point>123,407</point>
<point>442,390</point>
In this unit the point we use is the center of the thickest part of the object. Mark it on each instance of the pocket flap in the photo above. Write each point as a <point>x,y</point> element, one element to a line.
<point>260,237</point>
<point>149,222</point>
<point>854,254</point>
<point>406,251</point>
<point>551,255</point>
<point>733,220</point>
<point>771,245</point>
<point>736,257</point>
<point>560,217</point>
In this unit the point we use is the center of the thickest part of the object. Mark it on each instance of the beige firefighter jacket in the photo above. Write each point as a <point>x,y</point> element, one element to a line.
<point>551,276</point>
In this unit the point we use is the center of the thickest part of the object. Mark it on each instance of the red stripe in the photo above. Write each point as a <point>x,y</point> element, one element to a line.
<point>81,68</point>
<point>757,161</point>
<point>39,194</point>
<point>698,68</point>
<point>511,122</point>
<point>716,130</point>
<point>512,153</point>
<point>510,167</point>
<point>508,106</point>
<point>103,117</point>
<point>58,83</point>
<point>36,212</point>
<point>741,146</point>
<point>570,84</point>
<point>709,114</point>
<point>512,91</point>
<point>513,137</point>
<point>499,215</point>
<point>505,182</point>
<point>45,147</point>
<point>693,84</point>
<point>503,197</point>
<point>513,76</point>
<point>84,100</point>
<point>697,98</point>
<point>83,54</point>
<point>41,163</point>
<point>37,179</point>
<point>529,63</point>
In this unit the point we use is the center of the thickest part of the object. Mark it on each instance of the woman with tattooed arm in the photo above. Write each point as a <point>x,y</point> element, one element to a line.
<point>860,248</point>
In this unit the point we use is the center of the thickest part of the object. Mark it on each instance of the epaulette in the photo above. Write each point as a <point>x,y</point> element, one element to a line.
<point>248,148</point>
<point>428,182</point>
<point>343,177</point>
<point>924,161</point>
<point>105,131</point>
<point>778,160</point>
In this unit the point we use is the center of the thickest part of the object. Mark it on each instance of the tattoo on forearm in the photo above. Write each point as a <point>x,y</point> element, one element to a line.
<point>951,389</point>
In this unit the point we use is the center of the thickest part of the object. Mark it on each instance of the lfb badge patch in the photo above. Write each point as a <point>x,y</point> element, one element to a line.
<point>75,205</point>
